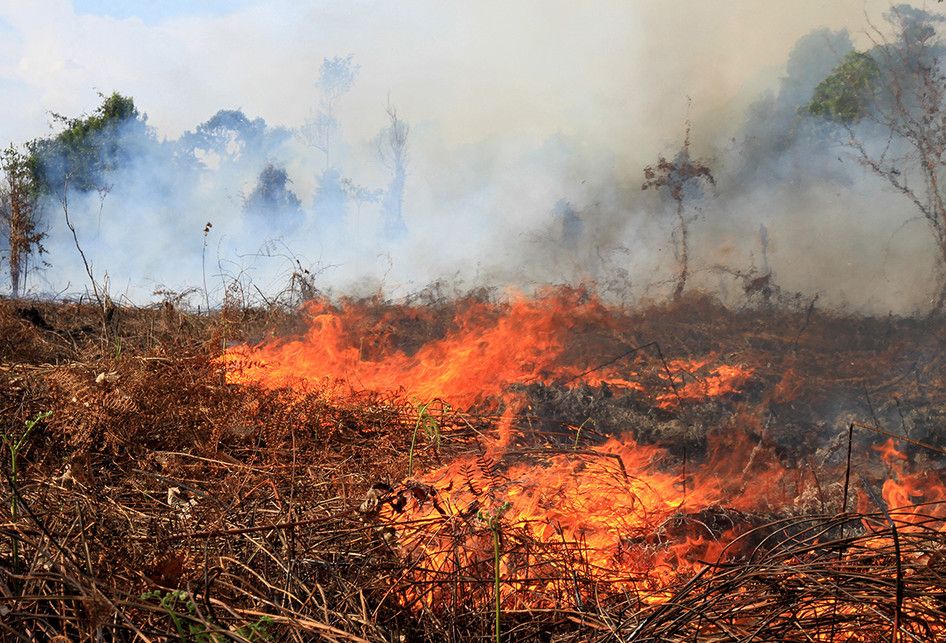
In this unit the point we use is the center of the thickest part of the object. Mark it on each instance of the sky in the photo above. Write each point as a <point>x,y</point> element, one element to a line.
<point>157,11</point>
<point>472,69</point>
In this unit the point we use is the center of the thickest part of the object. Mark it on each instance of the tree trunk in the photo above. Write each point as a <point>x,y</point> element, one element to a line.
<point>683,258</point>
<point>393,203</point>
<point>16,241</point>
<point>939,303</point>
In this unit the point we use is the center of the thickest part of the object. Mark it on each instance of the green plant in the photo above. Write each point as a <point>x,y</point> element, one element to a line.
<point>578,431</point>
<point>89,147</point>
<point>430,426</point>
<point>168,602</point>
<point>19,215</point>
<point>182,610</point>
<point>493,520</point>
<point>258,631</point>
<point>845,95</point>
<point>14,445</point>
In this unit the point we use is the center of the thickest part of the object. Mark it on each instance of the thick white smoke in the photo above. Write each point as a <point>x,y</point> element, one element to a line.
<point>530,123</point>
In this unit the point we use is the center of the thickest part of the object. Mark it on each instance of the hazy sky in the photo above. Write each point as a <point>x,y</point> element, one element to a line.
<point>602,70</point>
<point>513,105</point>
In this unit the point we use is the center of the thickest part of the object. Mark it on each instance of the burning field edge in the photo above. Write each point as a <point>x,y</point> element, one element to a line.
<point>545,468</point>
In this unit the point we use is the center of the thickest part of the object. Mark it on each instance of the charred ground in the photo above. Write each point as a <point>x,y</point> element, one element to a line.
<point>159,499</point>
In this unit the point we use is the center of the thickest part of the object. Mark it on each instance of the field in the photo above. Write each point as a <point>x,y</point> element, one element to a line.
<point>543,468</point>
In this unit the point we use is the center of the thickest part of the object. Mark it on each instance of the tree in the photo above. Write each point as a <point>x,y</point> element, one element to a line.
<point>846,93</point>
<point>336,77</point>
<point>228,135</point>
<point>272,197</point>
<point>392,148</point>
<point>82,157</point>
<point>88,148</point>
<point>330,201</point>
<point>19,214</point>
<point>571,223</point>
<point>778,143</point>
<point>679,180</point>
<point>891,104</point>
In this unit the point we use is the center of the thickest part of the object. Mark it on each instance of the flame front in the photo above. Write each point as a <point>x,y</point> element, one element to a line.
<point>561,521</point>
<point>611,508</point>
<point>488,348</point>
<point>610,512</point>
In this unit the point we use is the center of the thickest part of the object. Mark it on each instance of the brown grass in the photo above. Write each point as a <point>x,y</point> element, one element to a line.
<point>229,508</point>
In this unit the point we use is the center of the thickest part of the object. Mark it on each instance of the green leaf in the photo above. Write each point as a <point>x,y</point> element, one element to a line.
<point>846,95</point>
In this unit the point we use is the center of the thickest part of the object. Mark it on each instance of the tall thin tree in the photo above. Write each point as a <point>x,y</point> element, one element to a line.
<point>678,179</point>
<point>392,148</point>
<point>19,213</point>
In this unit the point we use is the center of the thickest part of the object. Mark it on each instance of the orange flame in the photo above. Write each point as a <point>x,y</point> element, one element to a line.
<point>613,511</point>
<point>621,512</point>
<point>489,348</point>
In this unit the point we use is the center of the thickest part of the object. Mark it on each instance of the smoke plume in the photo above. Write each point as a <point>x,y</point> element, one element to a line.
<point>376,146</point>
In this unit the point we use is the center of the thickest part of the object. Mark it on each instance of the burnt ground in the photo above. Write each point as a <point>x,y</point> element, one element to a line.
<point>156,501</point>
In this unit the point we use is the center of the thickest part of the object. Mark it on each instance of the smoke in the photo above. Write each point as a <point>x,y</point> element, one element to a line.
<point>529,126</point>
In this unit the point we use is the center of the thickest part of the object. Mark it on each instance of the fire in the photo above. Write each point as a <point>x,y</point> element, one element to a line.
<point>913,503</point>
<point>621,511</point>
<point>718,380</point>
<point>614,511</point>
<point>789,387</point>
<point>489,348</point>
<point>910,495</point>
<point>572,522</point>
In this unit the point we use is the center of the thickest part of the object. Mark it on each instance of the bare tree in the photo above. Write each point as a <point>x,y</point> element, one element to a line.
<point>392,148</point>
<point>99,290</point>
<point>336,77</point>
<point>18,213</point>
<point>891,104</point>
<point>679,179</point>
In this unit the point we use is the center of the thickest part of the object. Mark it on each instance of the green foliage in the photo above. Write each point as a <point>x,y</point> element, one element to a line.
<point>88,147</point>
<point>14,444</point>
<point>19,214</point>
<point>578,431</point>
<point>182,611</point>
<point>227,127</point>
<point>846,94</point>
<point>493,520</point>
<point>258,631</point>
<point>18,169</point>
<point>428,424</point>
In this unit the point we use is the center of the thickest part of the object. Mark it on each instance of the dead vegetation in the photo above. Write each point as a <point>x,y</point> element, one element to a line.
<point>152,500</point>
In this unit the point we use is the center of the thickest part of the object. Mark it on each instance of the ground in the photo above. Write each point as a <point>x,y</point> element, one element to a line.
<point>160,483</point>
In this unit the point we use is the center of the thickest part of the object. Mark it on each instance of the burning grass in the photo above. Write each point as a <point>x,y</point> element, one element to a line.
<point>547,468</point>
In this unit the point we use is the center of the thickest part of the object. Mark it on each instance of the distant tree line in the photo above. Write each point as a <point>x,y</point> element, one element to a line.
<point>97,152</point>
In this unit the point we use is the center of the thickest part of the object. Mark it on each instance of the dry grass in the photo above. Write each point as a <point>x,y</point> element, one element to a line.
<point>157,502</point>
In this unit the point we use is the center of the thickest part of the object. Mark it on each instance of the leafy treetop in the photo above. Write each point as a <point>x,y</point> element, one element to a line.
<point>88,147</point>
<point>845,95</point>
